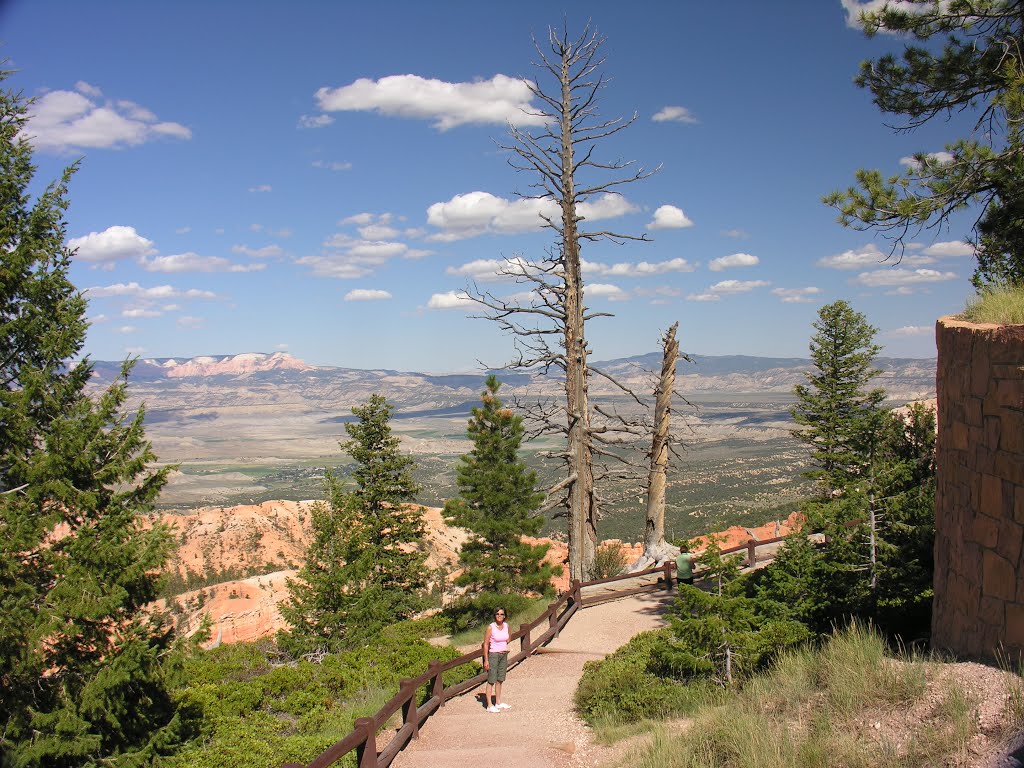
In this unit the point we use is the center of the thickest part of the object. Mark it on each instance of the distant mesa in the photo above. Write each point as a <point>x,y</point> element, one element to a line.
<point>157,368</point>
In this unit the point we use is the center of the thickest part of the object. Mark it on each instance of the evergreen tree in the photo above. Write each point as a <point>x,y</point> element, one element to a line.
<point>838,412</point>
<point>978,70</point>
<point>365,568</point>
<point>498,503</point>
<point>83,676</point>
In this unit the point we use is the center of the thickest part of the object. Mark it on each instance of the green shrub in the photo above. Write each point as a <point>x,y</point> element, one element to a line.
<point>621,689</point>
<point>609,560</point>
<point>999,304</point>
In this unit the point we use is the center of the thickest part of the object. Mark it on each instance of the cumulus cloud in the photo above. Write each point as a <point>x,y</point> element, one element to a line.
<point>796,295</point>
<point>939,157</point>
<point>500,100</point>
<point>450,300</point>
<point>950,249</point>
<point>607,290</point>
<point>140,312</point>
<point>669,217</point>
<point>261,188</point>
<point>638,269</point>
<point>733,260</point>
<point>366,294</point>
<point>703,297</point>
<point>854,8</point>
<point>315,121</point>
<point>332,165</point>
<point>135,290</point>
<point>867,256</point>
<point>266,252</point>
<point>79,119</point>
<point>127,329</point>
<point>182,230</point>
<point>674,115</point>
<point>111,244</point>
<point>476,213</point>
<point>378,232</point>
<point>737,286</point>
<point>881,278</point>
<point>334,265</point>
<point>912,330</point>
<point>193,262</point>
<point>738,234</point>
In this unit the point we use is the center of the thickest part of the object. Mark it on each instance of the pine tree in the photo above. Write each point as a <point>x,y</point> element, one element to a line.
<point>498,503</point>
<point>365,567</point>
<point>838,412</point>
<point>973,64</point>
<point>83,677</point>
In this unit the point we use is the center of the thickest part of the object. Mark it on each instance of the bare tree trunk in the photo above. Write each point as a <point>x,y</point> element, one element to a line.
<point>655,547</point>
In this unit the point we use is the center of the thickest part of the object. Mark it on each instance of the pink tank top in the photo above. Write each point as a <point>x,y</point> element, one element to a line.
<point>499,638</point>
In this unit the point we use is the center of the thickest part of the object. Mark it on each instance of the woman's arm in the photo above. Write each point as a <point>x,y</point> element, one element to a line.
<point>487,645</point>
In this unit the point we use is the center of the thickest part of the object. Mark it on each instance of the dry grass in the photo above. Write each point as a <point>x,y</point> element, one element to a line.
<point>1003,305</point>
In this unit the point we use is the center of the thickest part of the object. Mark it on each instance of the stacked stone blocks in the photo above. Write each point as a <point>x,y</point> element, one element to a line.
<point>979,536</point>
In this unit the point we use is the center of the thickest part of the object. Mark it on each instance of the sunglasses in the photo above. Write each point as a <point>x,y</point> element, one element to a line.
<point>500,613</point>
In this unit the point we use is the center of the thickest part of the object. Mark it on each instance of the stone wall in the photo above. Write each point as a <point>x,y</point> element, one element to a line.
<point>979,519</point>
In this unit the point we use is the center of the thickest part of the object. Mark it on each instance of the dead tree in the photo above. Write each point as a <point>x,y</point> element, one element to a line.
<point>655,547</point>
<point>549,327</point>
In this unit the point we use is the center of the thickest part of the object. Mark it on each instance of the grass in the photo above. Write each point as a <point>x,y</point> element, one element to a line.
<point>1003,305</point>
<point>817,708</point>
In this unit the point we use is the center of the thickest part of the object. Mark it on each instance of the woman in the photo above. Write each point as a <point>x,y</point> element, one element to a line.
<point>496,659</point>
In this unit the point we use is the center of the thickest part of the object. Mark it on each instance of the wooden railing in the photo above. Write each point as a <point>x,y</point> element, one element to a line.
<point>363,739</point>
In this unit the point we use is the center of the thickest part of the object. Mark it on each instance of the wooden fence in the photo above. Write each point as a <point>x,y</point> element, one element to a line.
<point>363,739</point>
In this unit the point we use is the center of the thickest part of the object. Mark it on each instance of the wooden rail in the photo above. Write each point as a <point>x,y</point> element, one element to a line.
<point>363,739</point>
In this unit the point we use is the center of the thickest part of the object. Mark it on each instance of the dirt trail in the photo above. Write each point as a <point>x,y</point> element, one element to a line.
<point>540,729</point>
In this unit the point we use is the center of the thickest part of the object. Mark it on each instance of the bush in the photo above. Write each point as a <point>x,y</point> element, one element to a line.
<point>609,560</point>
<point>621,689</point>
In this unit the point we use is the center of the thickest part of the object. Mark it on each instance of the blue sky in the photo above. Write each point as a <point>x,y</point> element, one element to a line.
<point>323,178</point>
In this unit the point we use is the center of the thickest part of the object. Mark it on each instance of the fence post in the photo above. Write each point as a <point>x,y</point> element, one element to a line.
<point>437,681</point>
<point>667,566</point>
<point>577,596</point>
<point>407,688</point>
<point>524,641</point>
<point>366,752</point>
<point>552,621</point>
<point>751,553</point>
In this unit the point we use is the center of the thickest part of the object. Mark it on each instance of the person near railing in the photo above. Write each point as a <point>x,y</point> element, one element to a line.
<point>684,566</point>
<point>495,649</point>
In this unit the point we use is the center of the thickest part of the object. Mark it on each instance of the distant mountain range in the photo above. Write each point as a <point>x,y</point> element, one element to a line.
<point>264,379</point>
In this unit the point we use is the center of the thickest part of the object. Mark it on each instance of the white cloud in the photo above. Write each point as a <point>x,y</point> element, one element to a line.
<point>266,252</point>
<point>939,157</point>
<point>140,312</point>
<point>674,115</point>
<point>854,8</point>
<point>737,286</point>
<point>360,219</point>
<point>500,100</point>
<point>738,234</point>
<point>315,121</point>
<point>182,230</point>
<point>950,249</point>
<point>450,300</point>
<point>607,290</point>
<point>703,297</point>
<point>378,232</point>
<point>332,165</point>
<point>66,120</point>
<point>190,321</point>
<point>366,294</point>
<point>796,295</point>
<point>476,213</point>
<point>193,262</point>
<point>669,217</point>
<point>127,329</point>
<point>489,270</point>
<point>156,292</point>
<point>113,243</point>
<point>261,188</point>
<point>733,260</point>
<point>901,277</point>
<point>377,252</point>
<point>912,330</point>
<point>334,265</point>
<point>867,256</point>
<point>638,269</point>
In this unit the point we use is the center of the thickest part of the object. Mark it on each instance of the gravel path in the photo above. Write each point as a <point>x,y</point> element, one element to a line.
<point>541,728</point>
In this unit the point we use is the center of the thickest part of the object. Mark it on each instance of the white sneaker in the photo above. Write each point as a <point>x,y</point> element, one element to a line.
<point>493,708</point>
<point>504,706</point>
